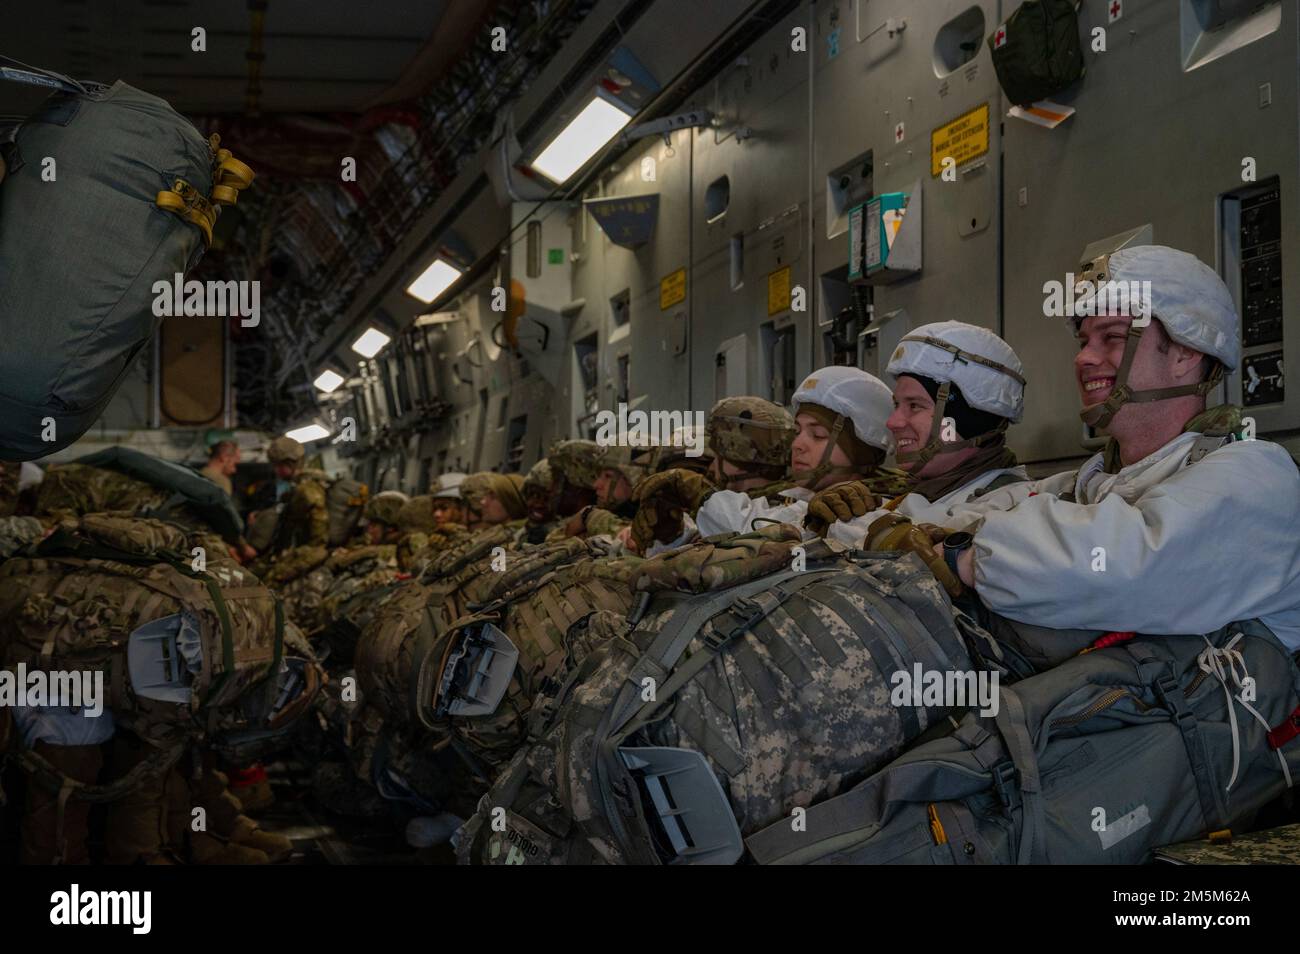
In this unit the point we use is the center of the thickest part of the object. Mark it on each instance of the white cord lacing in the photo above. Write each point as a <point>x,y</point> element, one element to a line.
<point>1223,662</point>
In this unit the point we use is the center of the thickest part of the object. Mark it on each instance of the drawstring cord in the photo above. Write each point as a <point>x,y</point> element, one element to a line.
<point>1227,661</point>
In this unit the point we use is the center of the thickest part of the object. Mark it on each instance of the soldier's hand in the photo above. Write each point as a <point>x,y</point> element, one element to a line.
<point>629,542</point>
<point>839,502</point>
<point>677,487</point>
<point>656,520</point>
<point>895,532</point>
<point>577,524</point>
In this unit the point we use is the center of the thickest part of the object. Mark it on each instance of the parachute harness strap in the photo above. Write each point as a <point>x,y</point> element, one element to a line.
<point>809,479</point>
<point>229,178</point>
<point>1222,663</point>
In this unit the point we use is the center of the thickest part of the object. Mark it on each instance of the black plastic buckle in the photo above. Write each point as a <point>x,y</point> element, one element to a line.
<point>1004,773</point>
<point>1167,688</point>
<point>716,639</point>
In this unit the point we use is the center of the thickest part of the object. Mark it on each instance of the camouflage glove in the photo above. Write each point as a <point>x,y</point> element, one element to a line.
<point>656,520</point>
<point>839,502</point>
<point>895,532</point>
<point>677,487</point>
<point>663,499</point>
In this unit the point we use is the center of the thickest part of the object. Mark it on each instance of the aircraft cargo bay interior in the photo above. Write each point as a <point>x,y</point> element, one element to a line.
<point>649,432</point>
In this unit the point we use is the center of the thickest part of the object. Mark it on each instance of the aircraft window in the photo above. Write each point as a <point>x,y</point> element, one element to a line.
<point>958,41</point>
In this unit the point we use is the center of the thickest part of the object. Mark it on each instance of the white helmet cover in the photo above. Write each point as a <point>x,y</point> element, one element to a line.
<point>984,387</point>
<point>861,397</point>
<point>1187,297</point>
<point>449,485</point>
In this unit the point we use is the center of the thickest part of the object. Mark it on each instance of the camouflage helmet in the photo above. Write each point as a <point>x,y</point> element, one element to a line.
<point>415,515</point>
<point>383,507</point>
<point>473,487</point>
<point>577,461</point>
<point>751,430</point>
<point>678,452</point>
<point>632,462</point>
<point>285,450</point>
<point>539,477</point>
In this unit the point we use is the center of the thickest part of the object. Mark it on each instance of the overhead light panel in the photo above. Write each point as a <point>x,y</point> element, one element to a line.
<point>305,435</point>
<point>434,280</point>
<point>598,123</point>
<point>371,342</point>
<point>328,381</point>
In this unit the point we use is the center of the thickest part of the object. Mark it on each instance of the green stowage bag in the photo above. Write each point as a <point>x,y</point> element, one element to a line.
<point>1036,52</point>
<point>80,253</point>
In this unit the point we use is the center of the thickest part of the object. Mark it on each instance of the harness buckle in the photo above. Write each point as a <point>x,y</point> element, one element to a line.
<point>1004,774</point>
<point>716,638</point>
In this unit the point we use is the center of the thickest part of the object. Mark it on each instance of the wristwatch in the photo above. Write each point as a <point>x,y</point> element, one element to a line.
<point>954,544</point>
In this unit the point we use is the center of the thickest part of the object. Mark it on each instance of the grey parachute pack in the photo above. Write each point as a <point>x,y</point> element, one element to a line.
<point>72,334</point>
<point>1100,760</point>
<point>782,700</point>
<point>185,653</point>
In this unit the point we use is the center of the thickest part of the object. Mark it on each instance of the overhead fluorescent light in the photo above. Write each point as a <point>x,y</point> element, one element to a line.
<point>434,280</point>
<point>307,434</point>
<point>328,381</point>
<point>598,123</point>
<point>370,343</point>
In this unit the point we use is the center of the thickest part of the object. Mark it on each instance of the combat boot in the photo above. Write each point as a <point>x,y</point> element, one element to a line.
<point>225,821</point>
<point>246,834</point>
<point>207,849</point>
<point>44,841</point>
<point>250,786</point>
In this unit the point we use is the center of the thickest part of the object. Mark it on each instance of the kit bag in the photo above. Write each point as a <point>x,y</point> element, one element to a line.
<point>108,190</point>
<point>725,709</point>
<point>1101,760</point>
<point>1037,51</point>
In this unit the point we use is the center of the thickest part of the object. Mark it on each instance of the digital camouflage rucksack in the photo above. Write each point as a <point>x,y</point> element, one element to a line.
<point>758,684</point>
<point>1115,752</point>
<point>185,652</point>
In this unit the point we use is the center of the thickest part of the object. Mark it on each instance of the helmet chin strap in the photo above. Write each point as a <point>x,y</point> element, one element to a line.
<point>935,445</point>
<point>810,478</point>
<point>1100,415</point>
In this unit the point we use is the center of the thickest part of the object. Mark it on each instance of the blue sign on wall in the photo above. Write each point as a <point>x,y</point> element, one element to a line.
<point>629,221</point>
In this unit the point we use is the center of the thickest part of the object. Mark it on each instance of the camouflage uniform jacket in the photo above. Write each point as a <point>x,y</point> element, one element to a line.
<point>305,519</point>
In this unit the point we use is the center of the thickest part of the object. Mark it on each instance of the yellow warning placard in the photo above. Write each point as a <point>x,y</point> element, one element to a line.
<point>778,291</point>
<point>672,289</point>
<point>964,138</point>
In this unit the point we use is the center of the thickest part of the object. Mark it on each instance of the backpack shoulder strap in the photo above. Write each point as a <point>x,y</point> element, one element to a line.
<point>757,601</point>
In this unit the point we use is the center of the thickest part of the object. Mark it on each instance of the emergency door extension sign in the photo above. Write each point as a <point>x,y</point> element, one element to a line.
<point>964,138</point>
